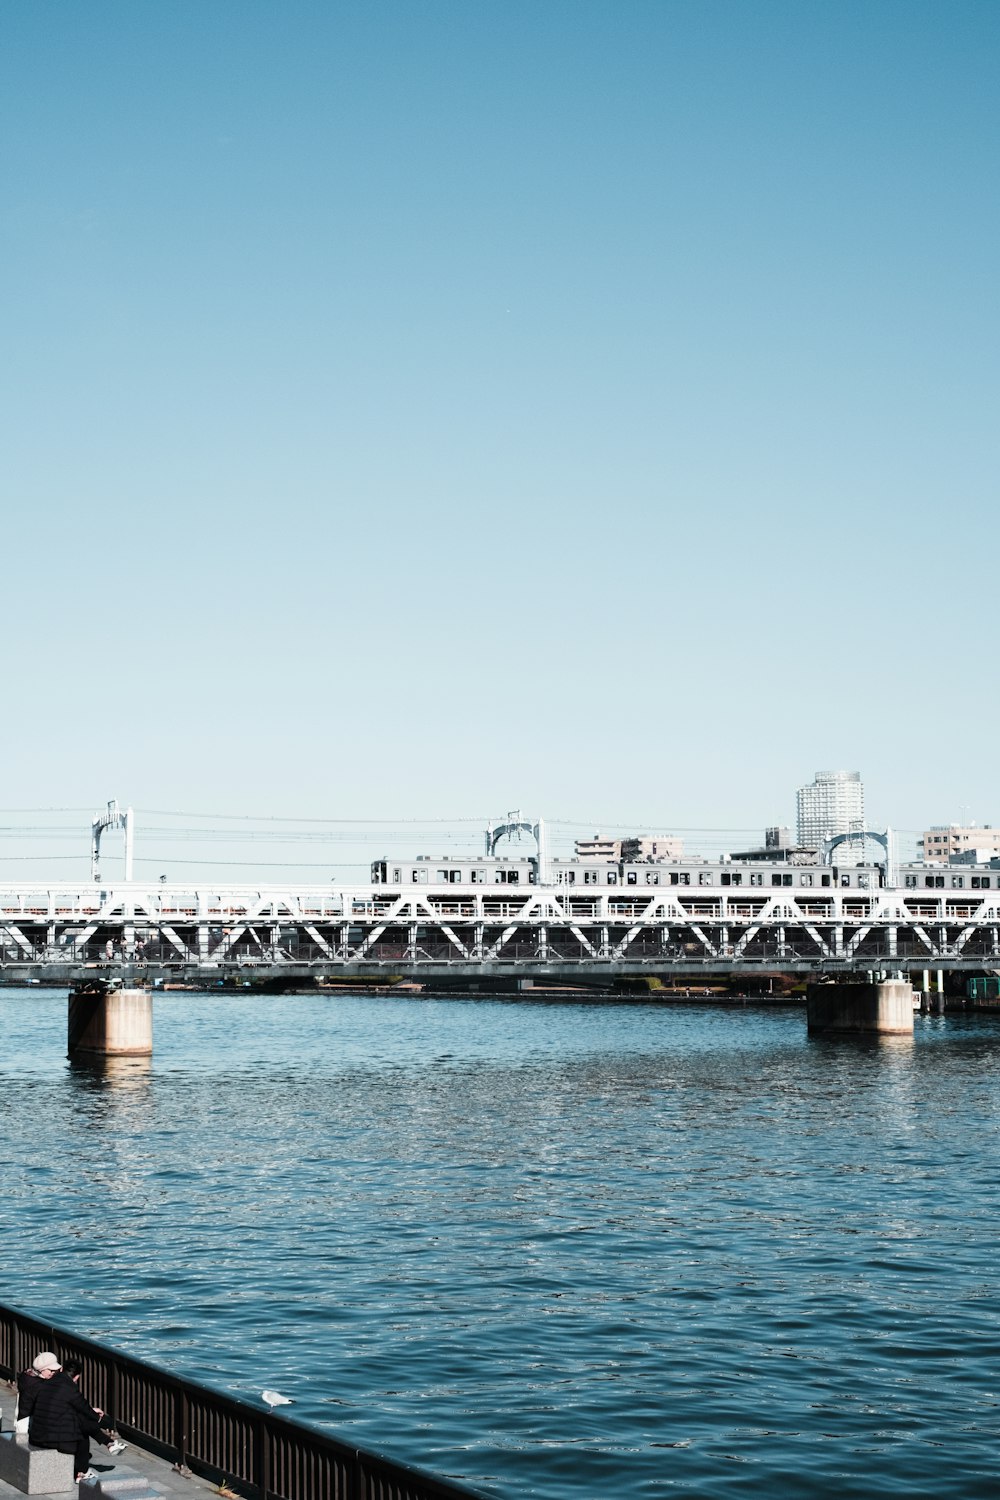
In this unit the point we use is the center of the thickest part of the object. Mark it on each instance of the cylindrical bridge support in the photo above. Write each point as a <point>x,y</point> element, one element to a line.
<point>860,1008</point>
<point>110,1023</point>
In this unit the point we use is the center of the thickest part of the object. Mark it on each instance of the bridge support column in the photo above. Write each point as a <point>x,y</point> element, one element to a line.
<point>860,1008</point>
<point>110,1023</point>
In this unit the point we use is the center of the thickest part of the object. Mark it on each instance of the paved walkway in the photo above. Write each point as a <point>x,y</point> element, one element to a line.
<point>133,1460</point>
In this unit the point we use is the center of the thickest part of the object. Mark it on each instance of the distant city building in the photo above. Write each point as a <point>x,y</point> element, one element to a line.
<point>777,846</point>
<point>662,846</point>
<point>949,841</point>
<point>833,804</point>
<point>598,848</point>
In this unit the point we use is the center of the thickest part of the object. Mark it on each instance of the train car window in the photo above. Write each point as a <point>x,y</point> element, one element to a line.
<point>775,879</point>
<point>756,880</point>
<point>824,880</point>
<point>652,877</point>
<point>612,877</point>
<point>807,880</point>
<point>957,881</point>
<point>631,877</point>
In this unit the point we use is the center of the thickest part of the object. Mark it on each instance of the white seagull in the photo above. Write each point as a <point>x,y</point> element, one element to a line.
<point>275,1398</point>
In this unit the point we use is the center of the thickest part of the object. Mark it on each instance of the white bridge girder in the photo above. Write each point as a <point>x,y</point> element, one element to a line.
<point>206,928</point>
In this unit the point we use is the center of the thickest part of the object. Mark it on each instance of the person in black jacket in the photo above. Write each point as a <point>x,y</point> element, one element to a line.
<point>29,1382</point>
<point>63,1418</point>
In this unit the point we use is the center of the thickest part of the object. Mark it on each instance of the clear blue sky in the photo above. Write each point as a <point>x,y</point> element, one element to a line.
<point>423,409</point>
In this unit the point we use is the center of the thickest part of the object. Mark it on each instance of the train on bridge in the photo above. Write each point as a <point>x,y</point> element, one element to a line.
<point>459,918</point>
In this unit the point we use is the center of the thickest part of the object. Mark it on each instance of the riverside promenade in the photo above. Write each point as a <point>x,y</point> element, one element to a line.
<point>160,1476</point>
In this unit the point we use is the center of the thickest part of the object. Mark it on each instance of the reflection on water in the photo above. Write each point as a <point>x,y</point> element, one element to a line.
<point>112,1072</point>
<point>577,1249</point>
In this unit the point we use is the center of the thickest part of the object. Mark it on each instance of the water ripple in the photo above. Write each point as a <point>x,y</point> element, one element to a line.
<point>554,1250</point>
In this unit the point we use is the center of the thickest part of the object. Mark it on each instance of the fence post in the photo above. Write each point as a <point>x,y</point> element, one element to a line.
<point>262,1464</point>
<point>182,1415</point>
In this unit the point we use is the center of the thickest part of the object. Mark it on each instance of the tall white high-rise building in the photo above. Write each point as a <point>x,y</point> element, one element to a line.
<point>834,803</point>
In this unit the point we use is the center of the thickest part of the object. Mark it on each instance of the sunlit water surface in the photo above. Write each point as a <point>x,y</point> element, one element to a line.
<point>553,1250</point>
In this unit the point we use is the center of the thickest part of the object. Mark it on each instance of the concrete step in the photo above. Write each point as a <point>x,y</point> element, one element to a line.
<point>34,1471</point>
<point>124,1483</point>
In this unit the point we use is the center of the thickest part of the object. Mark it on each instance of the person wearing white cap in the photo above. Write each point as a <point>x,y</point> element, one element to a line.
<point>29,1382</point>
<point>63,1418</point>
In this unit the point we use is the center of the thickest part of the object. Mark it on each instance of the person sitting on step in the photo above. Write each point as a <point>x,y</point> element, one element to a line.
<point>29,1382</point>
<point>63,1418</point>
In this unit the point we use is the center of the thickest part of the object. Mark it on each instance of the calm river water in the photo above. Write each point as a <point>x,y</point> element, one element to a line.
<point>553,1250</point>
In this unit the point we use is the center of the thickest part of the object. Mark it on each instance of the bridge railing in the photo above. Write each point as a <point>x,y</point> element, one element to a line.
<point>230,1442</point>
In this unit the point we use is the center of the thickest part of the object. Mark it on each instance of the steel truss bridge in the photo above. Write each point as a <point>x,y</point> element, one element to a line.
<point>295,934</point>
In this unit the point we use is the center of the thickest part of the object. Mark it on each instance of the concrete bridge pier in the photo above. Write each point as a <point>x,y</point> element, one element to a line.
<point>933,1000</point>
<point>106,1022</point>
<point>860,1008</point>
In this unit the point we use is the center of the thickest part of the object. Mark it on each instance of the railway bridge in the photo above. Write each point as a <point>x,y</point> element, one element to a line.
<point>208,933</point>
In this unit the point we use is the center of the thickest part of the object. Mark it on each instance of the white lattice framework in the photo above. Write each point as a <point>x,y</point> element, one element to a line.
<point>210,930</point>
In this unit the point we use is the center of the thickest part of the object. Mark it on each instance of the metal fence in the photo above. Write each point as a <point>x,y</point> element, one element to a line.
<point>229,1442</point>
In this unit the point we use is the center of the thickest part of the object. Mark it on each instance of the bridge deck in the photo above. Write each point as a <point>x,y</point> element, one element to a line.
<point>296,932</point>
